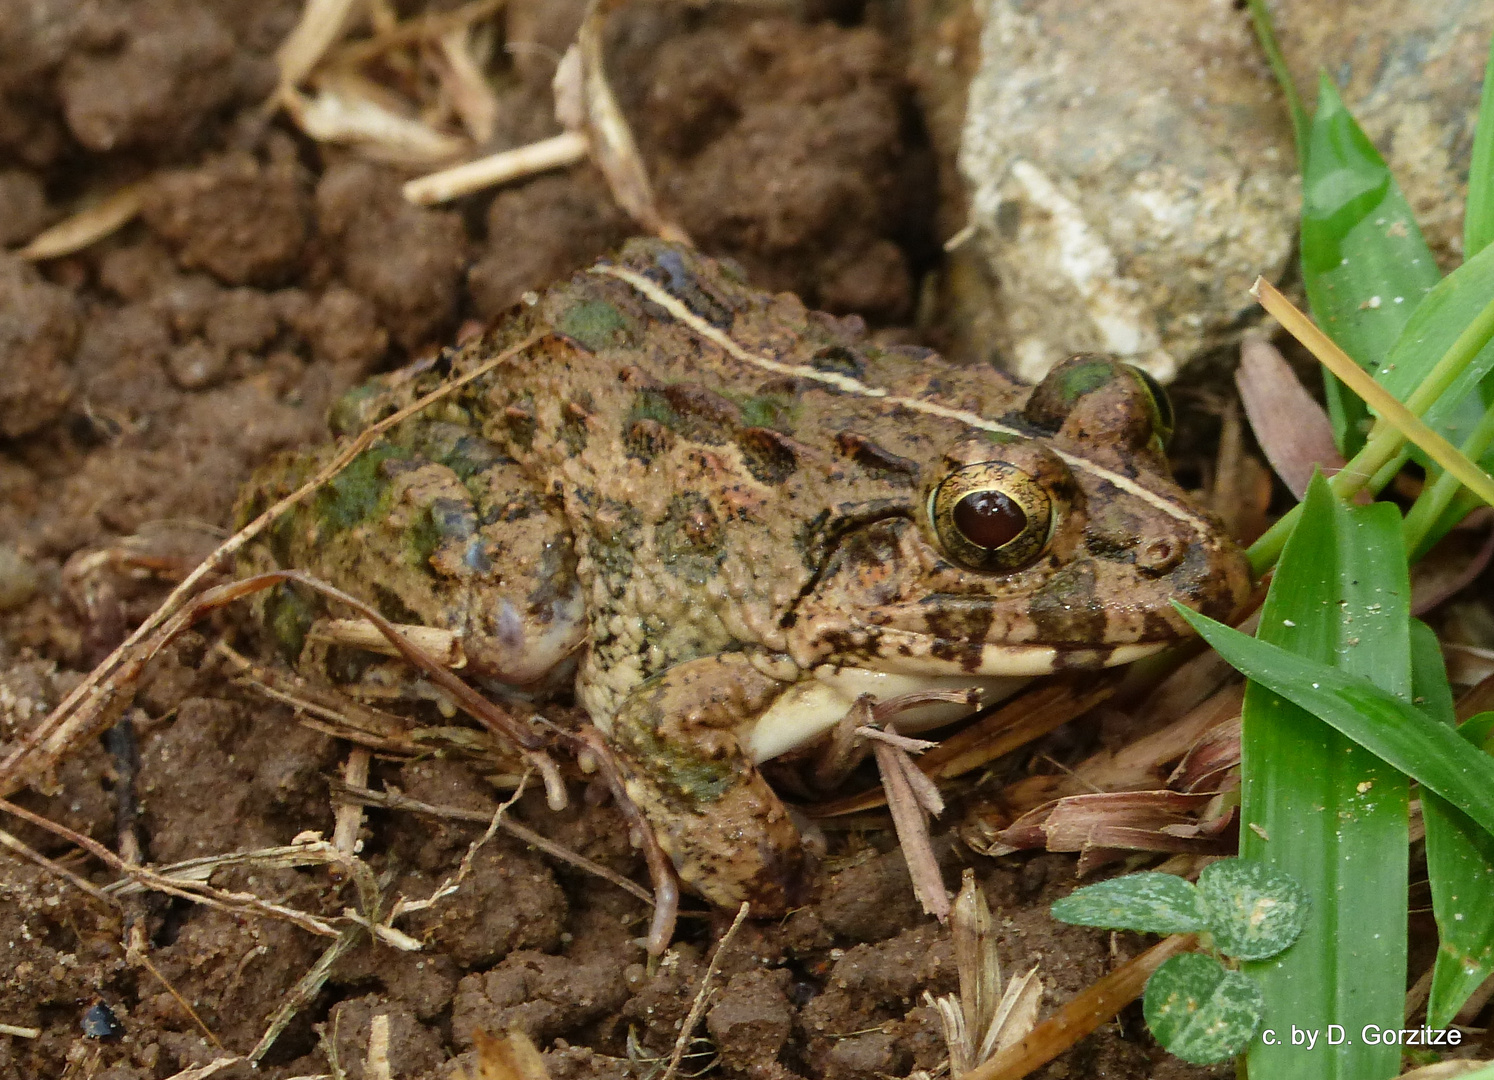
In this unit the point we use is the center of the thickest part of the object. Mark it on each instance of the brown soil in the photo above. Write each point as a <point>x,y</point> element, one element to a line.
<point>144,378</point>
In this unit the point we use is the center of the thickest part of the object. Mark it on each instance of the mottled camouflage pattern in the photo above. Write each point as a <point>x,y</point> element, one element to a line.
<point>683,475</point>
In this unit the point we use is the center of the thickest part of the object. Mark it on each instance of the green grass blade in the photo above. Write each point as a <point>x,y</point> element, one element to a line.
<point>1430,753</point>
<point>1478,217</point>
<point>1460,857</point>
<point>1321,808</point>
<point>1364,261</point>
<point>1445,350</point>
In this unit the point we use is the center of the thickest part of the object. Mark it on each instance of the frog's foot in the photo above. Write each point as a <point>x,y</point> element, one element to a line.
<point>590,741</point>
<point>727,832</point>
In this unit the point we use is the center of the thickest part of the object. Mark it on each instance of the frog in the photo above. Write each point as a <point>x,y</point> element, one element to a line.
<point>719,519</point>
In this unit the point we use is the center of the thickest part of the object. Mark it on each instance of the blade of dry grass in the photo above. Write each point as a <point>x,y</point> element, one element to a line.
<point>322,23</point>
<point>88,226</point>
<point>504,167</point>
<point>611,138</point>
<point>1376,396</point>
<point>471,95</point>
<point>1014,725</point>
<point>912,802</point>
<point>1087,1011</point>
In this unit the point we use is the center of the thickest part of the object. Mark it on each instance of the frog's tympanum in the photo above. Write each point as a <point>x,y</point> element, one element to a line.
<point>722,518</point>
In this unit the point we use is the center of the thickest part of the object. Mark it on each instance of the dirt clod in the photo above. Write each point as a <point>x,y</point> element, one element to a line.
<point>38,330</point>
<point>241,220</point>
<point>751,1020</point>
<point>363,218</point>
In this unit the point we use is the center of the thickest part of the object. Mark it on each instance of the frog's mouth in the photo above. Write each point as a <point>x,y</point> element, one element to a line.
<point>908,653</point>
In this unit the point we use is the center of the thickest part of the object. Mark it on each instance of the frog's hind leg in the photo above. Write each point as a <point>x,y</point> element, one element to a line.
<point>727,832</point>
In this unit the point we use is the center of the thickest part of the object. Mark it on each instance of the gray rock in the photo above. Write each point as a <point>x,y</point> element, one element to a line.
<point>1131,171</point>
<point>1411,75</point>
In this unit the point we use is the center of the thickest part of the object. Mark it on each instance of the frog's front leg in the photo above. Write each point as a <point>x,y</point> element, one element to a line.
<point>729,835</point>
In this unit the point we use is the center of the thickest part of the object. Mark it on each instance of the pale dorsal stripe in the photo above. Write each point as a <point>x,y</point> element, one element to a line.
<point>672,304</point>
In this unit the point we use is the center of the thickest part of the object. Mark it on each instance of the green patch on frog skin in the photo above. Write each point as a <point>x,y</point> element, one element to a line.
<point>1001,438</point>
<point>595,324</point>
<point>355,493</point>
<point>613,552</point>
<point>289,616</point>
<point>652,405</point>
<point>421,539</point>
<point>777,411</point>
<point>350,413</point>
<point>690,538</point>
<point>670,764</point>
<point>1085,378</point>
<point>283,537</point>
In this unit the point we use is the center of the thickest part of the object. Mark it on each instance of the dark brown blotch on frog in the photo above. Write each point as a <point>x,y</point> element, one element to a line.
<point>881,463</point>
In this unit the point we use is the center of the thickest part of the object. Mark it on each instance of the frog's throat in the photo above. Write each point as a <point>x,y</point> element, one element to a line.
<point>812,706</point>
<point>847,384</point>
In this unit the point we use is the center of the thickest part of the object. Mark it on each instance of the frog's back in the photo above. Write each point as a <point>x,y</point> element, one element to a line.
<point>708,442</point>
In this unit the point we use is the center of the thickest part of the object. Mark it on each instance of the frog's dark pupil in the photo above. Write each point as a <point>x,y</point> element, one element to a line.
<point>989,519</point>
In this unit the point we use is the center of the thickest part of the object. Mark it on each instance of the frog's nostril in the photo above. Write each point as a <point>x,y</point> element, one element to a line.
<point>1158,554</point>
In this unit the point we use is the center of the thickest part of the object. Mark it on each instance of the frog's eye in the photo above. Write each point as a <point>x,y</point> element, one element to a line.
<point>1163,418</point>
<point>991,516</point>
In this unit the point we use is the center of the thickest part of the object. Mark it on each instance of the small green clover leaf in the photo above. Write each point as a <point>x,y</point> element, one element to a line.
<point>1149,902</point>
<point>1254,910</point>
<point>1199,1011</point>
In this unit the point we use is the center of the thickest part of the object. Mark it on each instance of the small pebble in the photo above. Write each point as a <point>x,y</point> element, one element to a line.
<point>197,365</point>
<point>18,578</point>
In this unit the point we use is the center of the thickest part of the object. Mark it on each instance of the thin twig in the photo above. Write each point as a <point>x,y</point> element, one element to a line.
<point>394,801</point>
<point>25,851</point>
<point>661,871</point>
<point>698,1005</point>
<point>135,953</point>
<point>453,883</point>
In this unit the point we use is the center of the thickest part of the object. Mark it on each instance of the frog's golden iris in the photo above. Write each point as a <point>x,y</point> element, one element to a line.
<point>991,516</point>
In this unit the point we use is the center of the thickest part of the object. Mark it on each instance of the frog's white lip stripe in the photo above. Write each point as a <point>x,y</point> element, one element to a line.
<point>1027,661</point>
<point>675,307</point>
